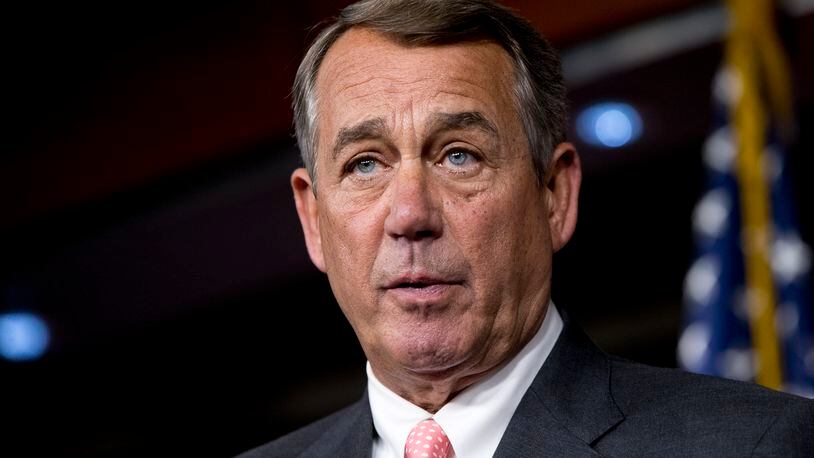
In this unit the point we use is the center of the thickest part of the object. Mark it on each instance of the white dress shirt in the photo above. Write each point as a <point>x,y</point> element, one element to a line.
<point>477,417</point>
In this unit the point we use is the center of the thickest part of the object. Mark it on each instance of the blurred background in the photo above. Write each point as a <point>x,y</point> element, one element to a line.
<point>155,293</point>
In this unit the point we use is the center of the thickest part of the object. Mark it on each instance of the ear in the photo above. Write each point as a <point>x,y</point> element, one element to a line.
<point>309,215</point>
<point>562,183</point>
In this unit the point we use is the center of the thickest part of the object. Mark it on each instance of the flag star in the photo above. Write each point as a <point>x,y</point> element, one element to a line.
<point>693,345</point>
<point>711,215</point>
<point>701,283</point>
<point>719,150</point>
<point>791,258</point>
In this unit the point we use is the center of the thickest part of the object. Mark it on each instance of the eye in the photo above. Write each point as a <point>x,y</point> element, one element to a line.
<point>459,158</point>
<point>364,166</point>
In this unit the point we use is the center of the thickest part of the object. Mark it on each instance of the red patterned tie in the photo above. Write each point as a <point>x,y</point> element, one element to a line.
<point>427,440</point>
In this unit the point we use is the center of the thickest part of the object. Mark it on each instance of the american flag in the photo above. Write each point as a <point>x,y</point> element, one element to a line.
<point>747,309</point>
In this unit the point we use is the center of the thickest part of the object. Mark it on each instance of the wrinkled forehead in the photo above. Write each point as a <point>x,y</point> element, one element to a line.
<point>366,69</point>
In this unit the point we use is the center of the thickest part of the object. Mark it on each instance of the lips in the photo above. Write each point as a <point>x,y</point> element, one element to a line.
<point>419,281</point>
<point>421,288</point>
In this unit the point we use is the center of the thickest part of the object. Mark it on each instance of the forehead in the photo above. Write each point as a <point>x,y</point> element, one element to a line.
<point>366,74</point>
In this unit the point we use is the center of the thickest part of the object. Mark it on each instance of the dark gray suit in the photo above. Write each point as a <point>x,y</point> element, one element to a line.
<point>585,403</point>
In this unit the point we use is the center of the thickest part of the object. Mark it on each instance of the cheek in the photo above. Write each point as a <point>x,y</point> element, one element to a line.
<point>494,221</point>
<point>477,228</point>
<point>350,240</point>
<point>347,229</point>
<point>503,236</point>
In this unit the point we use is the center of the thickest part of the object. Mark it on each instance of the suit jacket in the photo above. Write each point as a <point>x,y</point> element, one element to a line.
<point>586,403</point>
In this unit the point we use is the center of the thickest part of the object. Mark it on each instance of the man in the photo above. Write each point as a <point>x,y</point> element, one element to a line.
<point>437,185</point>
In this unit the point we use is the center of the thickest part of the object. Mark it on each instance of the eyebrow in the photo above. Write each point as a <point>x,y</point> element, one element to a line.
<point>464,120</point>
<point>376,128</point>
<point>365,130</point>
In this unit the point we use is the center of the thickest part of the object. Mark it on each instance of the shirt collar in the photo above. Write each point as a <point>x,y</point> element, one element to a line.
<point>476,418</point>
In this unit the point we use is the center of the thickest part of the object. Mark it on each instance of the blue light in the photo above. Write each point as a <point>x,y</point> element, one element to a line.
<point>23,336</point>
<point>610,124</point>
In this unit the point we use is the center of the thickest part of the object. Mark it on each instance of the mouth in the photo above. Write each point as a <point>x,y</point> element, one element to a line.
<point>419,282</point>
<point>421,289</point>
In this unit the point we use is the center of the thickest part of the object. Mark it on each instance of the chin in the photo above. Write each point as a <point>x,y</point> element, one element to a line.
<point>433,355</point>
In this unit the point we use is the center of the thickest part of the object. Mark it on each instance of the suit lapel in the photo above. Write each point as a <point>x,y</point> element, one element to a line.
<point>350,437</point>
<point>568,406</point>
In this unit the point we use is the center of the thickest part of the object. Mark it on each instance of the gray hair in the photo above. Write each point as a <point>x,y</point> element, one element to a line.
<point>539,90</point>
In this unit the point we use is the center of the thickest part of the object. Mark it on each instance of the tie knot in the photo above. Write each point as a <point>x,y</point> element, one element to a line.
<point>427,440</point>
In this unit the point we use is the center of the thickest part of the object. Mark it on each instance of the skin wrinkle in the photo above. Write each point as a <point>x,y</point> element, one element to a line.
<point>483,227</point>
<point>366,130</point>
<point>548,111</point>
<point>441,124</point>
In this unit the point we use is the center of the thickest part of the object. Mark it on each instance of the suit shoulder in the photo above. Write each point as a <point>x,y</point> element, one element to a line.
<point>636,383</point>
<point>692,405</point>
<point>296,442</point>
<point>791,432</point>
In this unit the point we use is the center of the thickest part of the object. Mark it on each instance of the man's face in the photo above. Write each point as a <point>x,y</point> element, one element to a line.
<point>428,218</point>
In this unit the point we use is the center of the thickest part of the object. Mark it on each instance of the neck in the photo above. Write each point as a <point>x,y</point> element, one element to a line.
<point>431,391</point>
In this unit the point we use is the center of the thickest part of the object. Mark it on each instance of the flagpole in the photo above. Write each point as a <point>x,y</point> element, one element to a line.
<point>752,53</point>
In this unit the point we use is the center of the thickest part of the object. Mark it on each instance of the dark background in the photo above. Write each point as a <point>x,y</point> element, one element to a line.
<point>146,216</point>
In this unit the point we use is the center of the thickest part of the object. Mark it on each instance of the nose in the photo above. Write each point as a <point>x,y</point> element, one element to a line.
<point>414,214</point>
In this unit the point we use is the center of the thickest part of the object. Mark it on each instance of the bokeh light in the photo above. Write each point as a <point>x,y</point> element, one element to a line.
<point>609,124</point>
<point>24,336</point>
